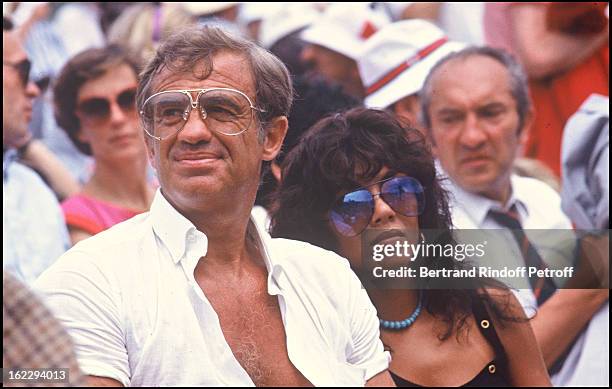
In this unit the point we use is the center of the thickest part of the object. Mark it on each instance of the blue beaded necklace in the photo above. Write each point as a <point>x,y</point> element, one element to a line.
<point>401,324</point>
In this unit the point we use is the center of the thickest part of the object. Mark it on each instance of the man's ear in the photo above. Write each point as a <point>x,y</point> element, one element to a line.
<point>407,108</point>
<point>526,130</point>
<point>277,129</point>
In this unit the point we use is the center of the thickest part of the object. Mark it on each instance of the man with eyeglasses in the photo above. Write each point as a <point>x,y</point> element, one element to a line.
<point>33,234</point>
<point>192,293</point>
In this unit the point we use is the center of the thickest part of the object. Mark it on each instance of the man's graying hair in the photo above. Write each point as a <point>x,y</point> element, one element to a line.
<point>518,80</point>
<point>184,50</point>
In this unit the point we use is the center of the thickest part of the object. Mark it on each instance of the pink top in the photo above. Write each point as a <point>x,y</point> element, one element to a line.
<point>91,215</point>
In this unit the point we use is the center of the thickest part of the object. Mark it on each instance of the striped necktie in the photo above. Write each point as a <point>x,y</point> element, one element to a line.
<point>543,287</point>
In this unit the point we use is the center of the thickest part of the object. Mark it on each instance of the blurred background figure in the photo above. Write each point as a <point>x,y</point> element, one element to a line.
<point>33,233</point>
<point>314,99</point>
<point>142,27</point>
<point>585,198</point>
<point>533,168</point>
<point>110,11</point>
<point>395,62</point>
<point>336,39</point>
<point>564,48</point>
<point>50,32</point>
<point>586,164</point>
<point>78,24</point>
<point>280,32</point>
<point>218,14</point>
<point>95,105</point>
<point>462,22</point>
<point>477,110</point>
<point>32,338</point>
<point>251,16</point>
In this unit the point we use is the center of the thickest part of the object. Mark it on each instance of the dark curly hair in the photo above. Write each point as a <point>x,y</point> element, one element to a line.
<point>83,67</point>
<point>346,149</point>
<point>315,98</point>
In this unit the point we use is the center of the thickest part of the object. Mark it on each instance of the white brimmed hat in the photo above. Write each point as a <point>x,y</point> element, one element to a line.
<point>397,59</point>
<point>285,20</point>
<point>344,27</point>
<point>206,7</point>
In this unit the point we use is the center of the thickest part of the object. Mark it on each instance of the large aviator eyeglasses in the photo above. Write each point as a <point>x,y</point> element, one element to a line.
<point>225,110</point>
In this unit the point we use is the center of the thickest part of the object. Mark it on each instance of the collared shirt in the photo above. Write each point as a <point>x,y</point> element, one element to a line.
<point>129,299</point>
<point>539,208</point>
<point>586,199</point>
<point>34,234</point>
<point>585,159</point>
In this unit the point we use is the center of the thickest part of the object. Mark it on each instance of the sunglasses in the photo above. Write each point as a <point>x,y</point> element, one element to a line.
<point>227,111</point>
<point>352,213</point>
<point>23,68</point>
<point>99,108</point>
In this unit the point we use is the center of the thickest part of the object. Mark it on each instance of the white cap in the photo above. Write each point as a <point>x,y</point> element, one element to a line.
<point>205,8</point>
<point>286,19</point>
<point>252,12</point>
<point>344,27</point>
<point>397,59</point>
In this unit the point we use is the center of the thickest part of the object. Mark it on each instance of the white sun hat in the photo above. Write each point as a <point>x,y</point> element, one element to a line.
<point>199,8</point>
<point>397,59</point>
<point>344,27</point>
<point>284,20</point>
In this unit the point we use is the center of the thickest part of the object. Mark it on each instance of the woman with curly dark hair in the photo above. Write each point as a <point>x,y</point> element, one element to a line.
<point>361,176</point>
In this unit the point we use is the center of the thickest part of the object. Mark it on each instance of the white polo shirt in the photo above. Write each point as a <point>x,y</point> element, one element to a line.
<point>129,299</point>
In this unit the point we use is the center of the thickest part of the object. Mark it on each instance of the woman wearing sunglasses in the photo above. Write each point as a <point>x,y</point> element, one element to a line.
<point>361,178</point>
<point>94,100</point>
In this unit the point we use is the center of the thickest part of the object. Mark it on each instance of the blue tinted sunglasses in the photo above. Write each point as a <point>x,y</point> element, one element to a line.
<point>352,213</point>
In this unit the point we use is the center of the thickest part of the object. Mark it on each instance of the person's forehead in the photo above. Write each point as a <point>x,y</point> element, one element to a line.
<point>322,51</point>
<point>113,80</point>
<point>229,70</point>
<point>365,180</point>
<point>476,75</point>
<point>12,49</point>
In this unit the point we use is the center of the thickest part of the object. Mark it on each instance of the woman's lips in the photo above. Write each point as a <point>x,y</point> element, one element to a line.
<point>387,236</point>
<point>122,138</point>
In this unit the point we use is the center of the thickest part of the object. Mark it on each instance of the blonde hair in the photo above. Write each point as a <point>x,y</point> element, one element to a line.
<point>136,30</point>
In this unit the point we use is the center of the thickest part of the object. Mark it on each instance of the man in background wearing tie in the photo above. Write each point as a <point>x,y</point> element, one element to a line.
<point>477,111</point>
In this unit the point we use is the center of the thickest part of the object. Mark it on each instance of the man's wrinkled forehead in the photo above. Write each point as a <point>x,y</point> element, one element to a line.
<point>473,65</point>
<point>225,69</point>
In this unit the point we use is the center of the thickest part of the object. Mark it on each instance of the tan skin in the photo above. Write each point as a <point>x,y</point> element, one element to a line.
<point>118,147</point>
<point>233,275</point>
<point>435,363</point>
<point>545,52</point>
<point>475,125</point>
<point>17,115</point>
<point>335,67</point>
<point>407,109</point>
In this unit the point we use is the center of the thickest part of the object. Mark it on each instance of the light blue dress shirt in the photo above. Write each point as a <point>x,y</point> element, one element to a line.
<point>34,233</point>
